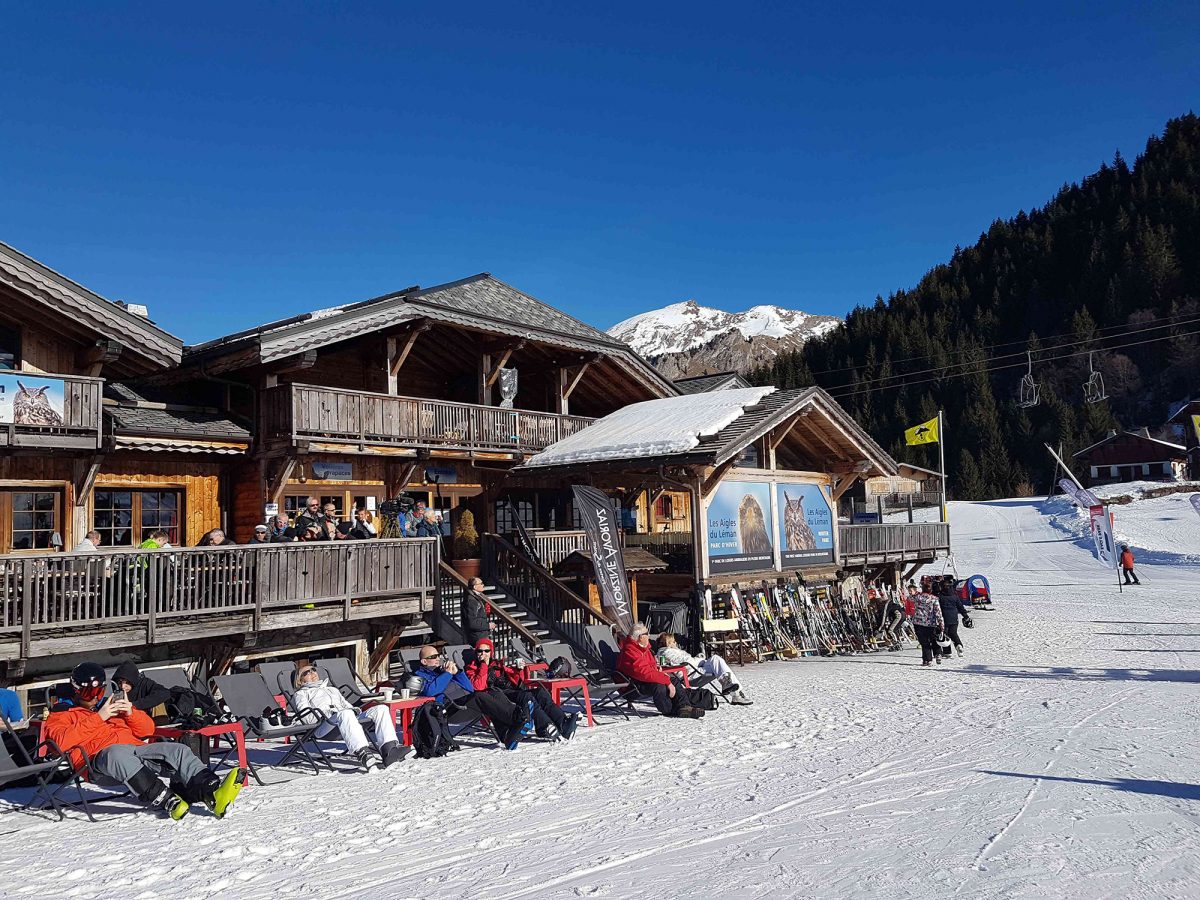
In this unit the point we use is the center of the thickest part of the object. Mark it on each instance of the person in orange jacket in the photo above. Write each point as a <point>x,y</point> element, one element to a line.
<point>1127,565</point>
<point>109,738</point>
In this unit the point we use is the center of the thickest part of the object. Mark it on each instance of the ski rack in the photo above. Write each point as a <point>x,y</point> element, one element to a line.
<point>1029,393</point>
<point>1093,388</point>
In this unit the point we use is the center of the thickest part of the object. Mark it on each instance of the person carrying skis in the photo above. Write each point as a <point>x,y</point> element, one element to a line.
<point>109,738</point>
<point>952,606</point>
<point>928,623</point>
<point>488,674</point>
<point>316,693</point>
<point>1127,565</point>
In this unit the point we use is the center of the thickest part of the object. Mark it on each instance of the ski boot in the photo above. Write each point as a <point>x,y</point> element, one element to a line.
<point>222,798</point>
<point>392,753</point>
<point>527,728</point>
<point>369,759</point>
<point>157,796</point>
<point>570,723</point>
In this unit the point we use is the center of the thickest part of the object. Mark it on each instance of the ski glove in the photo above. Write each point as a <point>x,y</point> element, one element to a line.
<point>967,623</point>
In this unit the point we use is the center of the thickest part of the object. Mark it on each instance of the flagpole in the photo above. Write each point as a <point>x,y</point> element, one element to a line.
<point>942,459</point>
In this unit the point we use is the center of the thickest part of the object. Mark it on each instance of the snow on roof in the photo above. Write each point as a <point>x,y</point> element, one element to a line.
<point>652,428</point>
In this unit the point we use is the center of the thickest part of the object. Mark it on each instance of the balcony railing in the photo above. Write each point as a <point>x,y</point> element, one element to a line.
<point>294,412</point>
<point>80,428</point>
<point>893,542</point>
<point>160,589</point>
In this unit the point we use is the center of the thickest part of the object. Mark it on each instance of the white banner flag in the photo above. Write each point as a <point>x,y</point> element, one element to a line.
<point>1102,534</point>
<point>1196,502</point>
<point>1068,488</point>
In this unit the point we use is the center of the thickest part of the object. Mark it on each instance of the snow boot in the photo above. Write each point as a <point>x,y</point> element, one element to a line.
<point>926,664</point>
<point>226,792</point>
<point>527,728</point>
<point>937,659</point>
<point>570,723</point>
<point>740,699</point>
<point>392,753</point>
<point>368,758</point>
<point>160,798</point>
<point>960,652</point>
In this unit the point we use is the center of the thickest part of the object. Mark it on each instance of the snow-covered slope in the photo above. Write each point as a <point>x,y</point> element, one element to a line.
<point>689,339</point>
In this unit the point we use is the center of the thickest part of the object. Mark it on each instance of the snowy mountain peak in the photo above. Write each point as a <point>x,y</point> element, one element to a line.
<point>689,339</point>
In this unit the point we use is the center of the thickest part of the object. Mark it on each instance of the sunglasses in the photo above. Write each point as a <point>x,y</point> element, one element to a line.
<point>435,656</point>
<point>482,651</point>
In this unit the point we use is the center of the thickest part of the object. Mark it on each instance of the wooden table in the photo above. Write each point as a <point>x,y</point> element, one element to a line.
<point>556,686</point>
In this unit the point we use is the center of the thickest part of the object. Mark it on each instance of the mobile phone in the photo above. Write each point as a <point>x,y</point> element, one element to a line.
<point>118,695</point>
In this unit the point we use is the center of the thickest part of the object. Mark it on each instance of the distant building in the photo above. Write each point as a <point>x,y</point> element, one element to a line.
<point>718,381</point>
<point>1133,456</point>
<point>1191,434</point>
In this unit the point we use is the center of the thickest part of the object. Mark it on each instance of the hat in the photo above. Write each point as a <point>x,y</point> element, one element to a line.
<point>485,644</point>
<point>261,528</point>
<point>88,679</point>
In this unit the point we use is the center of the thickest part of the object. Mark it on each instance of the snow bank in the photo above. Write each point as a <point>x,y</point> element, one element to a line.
<point>652,428</point>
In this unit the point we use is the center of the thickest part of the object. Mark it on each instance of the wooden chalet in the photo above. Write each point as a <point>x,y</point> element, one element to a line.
<point>717,381</point>
<point>1187,419</point>
<point>1133,456</point>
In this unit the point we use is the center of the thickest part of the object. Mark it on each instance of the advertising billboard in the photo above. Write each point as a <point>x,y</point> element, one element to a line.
<point>738,525</point>
<point>30,399</point>
<point>805,526</point>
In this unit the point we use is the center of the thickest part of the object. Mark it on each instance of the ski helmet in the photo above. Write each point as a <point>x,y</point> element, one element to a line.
<point>415,684</point>
<point>89,680</point>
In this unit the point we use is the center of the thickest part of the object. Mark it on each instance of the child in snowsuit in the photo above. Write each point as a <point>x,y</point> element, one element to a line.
<point>1127,565</point>
<point>952,606</point>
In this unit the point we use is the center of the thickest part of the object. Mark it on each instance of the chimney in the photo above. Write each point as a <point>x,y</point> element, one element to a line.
<point>134,309</point>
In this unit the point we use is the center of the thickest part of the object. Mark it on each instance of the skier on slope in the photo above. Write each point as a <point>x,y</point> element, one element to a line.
<point>952,606</point>
<point>928,623</point>
<point>1127,565</point>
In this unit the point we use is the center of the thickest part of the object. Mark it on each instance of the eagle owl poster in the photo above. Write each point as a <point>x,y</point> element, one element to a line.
<point>739,528</point>
<point>29,400</point>
<point>805,524</point>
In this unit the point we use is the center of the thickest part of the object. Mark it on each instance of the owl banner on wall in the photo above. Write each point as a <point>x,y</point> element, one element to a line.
<point>30,400</point>
<point>739,530</point>
<point>805,524</point>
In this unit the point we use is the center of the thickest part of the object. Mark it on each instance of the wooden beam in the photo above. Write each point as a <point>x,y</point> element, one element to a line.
<point>570,388</point>
<point>279,480</point>
<point>85,471</point>
<point>383,648</point>
<point>305,360</point>
<point>710,483</point>
<point>504,357</point>
<point>844,484</point>
<point>92,359</point>
<point>396,361</point>
<point>397,483</point>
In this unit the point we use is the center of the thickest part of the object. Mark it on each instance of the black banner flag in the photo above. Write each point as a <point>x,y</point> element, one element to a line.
<point>599,516</point>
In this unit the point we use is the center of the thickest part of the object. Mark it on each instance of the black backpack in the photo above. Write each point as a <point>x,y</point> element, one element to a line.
<point>431,735</point>
<point>560,667</point>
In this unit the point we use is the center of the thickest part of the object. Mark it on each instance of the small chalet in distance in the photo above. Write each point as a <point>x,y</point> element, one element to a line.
<point>1133,456</point>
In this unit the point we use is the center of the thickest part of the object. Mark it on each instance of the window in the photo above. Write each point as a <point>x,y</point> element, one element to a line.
<point>506,521</point>
<point>126,518</point>
<point>10,348</point>
<point>34,518</point>
<point>664,507</point>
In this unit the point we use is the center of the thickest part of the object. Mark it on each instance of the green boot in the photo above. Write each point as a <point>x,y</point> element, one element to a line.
<point>176,807</point>
<point>224,795</point>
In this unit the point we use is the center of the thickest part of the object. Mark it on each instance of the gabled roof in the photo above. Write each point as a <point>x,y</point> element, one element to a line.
<point>130,414</point>
<point>1182,413</point>
<point>719,381</point>
<point>152,347</point>
<point>481,302</point>
<point>643,431</point>
<point>1178,448</point>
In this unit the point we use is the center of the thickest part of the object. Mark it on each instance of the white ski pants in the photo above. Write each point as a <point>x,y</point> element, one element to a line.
<point>719,669</point>
<point>349,725</point>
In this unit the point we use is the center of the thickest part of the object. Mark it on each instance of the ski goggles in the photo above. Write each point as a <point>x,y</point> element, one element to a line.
<point>92,689</point>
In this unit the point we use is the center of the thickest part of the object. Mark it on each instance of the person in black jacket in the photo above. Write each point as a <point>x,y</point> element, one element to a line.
<point>475,624</point>
<point>310,516</point>
<point>952,607</point>
<point>216,538</point>
<point>142,691</point>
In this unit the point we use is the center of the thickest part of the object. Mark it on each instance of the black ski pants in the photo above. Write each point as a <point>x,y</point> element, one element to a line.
<point>952,633</point>
<point>1129,573</point>
<point>546,712</point>
<point>927,638</point>
<point>506,716</point>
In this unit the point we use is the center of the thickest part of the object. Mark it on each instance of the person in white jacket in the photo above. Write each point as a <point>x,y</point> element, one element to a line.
<point>671,654</point>
<point>314,692</point>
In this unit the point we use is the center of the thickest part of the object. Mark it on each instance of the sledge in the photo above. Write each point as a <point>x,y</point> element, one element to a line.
<point>977,591</point>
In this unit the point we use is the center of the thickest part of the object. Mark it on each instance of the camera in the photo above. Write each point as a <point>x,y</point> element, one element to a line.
<point>402,505</point>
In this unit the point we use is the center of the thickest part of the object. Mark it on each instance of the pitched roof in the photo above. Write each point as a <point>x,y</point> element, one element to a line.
<point>719,381</point>
<point>481,302</point>
<point>738,418</point>
<point>42,285</point>
<point>1179,448</point>
<point>131,414</point>
<point>635,558</point>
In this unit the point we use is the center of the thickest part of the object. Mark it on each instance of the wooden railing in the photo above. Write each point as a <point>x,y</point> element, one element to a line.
<point>895,541</point>
<point>78,591</point>
<point>306,412</point>
<point>452,589</point>
<point>554,546</point>
<point>532,585</point>
<point>81,417</point>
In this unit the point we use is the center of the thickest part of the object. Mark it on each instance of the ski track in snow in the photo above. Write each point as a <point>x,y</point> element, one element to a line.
<point>1055,760</point>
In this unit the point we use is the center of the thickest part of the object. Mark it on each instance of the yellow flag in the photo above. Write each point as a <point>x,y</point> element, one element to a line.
<point>1196,426</point>
<point>925,433</point>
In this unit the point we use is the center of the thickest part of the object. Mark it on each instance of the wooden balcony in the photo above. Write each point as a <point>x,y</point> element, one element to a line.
<point>81,424</point>
<point>292,413</point>
<point>865,544</point>
<point>68,602</point>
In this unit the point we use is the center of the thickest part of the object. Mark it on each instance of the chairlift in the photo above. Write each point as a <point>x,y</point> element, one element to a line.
<point>1030,392</point>
<point>1093,388</point>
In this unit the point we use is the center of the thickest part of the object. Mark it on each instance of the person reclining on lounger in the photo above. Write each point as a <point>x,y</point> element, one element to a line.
<point>316,693</point>
<point>488,674</point>
<point>636,662</point>
<point>442,680</point>
<point>113,735</point>
<point>671,654</point>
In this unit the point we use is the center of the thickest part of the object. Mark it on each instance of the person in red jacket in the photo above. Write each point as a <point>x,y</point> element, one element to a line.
<point>486,673</point>
<point>109,737</point>
<point>636,662</point>
<point>1127,565</point>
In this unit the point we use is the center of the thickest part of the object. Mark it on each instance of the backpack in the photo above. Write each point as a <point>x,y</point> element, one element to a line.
<point>431,735</point>
<point>560,667</point>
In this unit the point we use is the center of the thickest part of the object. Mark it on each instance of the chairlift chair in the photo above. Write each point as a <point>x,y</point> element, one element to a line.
<point>1093,388</point>
<point>1029,392</point>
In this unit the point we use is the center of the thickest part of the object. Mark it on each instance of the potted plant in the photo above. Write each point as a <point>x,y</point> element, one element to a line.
<point>466,546</point>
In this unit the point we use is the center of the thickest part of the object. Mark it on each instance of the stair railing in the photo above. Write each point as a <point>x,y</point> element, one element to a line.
<point>453,589</point>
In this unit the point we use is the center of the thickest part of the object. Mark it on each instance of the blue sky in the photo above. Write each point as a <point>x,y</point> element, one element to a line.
<point>227,165</point>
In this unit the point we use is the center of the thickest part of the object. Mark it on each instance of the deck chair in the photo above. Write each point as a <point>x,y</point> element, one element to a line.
<point>177,677</point>
<point>456,652</point>
<point>279,676</point>
<point>620,692</point>
<point>250,700</point>
<point>343,677</point>
<point>43,765</point>
<point>523,650</point>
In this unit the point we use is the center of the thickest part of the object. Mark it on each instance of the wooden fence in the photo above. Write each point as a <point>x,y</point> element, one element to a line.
<point>155,587</point>
<point>893,541</point>
<point>301,411</point>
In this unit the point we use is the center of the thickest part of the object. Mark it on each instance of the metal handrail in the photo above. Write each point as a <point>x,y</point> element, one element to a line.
<point>449,607</point>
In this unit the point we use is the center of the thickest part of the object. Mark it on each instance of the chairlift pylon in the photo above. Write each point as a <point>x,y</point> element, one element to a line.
<point>1030,392</point>
<point>1093,388</point>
